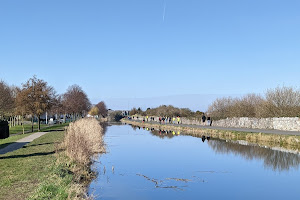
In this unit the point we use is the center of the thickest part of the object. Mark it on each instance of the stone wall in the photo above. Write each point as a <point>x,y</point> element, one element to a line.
<point>283,123</point>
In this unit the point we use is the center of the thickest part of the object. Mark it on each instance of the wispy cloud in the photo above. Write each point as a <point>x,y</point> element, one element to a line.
<point>164,12</point>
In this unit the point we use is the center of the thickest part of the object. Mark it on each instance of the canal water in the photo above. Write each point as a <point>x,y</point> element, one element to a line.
<point>144,164</point>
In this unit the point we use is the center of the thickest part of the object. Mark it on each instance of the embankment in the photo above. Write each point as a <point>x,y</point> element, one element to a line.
<point>70,174</point>
<point>261,139</point>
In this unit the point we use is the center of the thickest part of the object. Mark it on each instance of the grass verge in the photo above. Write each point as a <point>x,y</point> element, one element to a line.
<point>21,171</point>
<point>14,138</point>
<point>27,128</point>
<point>42,170</point>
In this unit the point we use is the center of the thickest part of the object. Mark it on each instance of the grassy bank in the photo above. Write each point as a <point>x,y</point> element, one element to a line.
<point>14,138</point>
<point>21,171</point>
<point>27,128</point>
<point>269,140</point>
<point>43,170</point>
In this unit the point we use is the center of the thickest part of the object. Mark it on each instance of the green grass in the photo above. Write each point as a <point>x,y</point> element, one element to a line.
<point>21,171</point>
<point>27,127</point>
<point>14,138</point>
<point>41,170</point>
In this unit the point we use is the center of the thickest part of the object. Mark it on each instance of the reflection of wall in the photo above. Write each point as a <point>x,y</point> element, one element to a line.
<point>276,160</point>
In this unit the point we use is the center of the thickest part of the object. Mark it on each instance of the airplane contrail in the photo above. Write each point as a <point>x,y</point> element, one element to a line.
<point>164,13</point>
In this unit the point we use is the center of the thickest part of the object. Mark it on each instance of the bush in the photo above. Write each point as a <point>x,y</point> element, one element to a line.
<point>278,102</point>
<point>83,139</point>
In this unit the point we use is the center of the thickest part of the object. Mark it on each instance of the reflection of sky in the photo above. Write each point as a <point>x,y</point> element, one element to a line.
<point>213,175</point>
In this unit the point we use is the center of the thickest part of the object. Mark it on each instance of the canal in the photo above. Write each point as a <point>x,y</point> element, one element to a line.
<point>152,164</point>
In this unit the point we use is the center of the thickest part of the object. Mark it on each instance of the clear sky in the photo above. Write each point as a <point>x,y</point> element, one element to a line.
<point>117,49</point>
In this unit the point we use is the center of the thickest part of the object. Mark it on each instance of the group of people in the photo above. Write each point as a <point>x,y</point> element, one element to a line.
<point>170,120</point>
<point>206,120</point>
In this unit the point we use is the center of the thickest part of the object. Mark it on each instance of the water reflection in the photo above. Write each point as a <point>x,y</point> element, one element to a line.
<point>145,163</point>
<point>273,159</point>
<point>104,125</point>
<point>277,159</point>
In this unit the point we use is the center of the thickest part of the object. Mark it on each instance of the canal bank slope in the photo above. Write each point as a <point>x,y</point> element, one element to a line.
<point>268,138</point>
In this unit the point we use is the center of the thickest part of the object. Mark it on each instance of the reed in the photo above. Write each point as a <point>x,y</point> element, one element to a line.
<point>83,139</point>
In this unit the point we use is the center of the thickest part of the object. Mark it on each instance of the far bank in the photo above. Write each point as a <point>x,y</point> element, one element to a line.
<point>289,142</point>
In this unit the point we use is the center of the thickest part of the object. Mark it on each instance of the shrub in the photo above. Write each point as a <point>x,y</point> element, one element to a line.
<point>83,139</point>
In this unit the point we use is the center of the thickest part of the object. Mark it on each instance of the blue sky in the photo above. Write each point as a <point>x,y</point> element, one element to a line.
<point>116,49</point>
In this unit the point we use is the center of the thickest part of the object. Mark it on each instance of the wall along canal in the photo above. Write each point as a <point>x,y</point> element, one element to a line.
<point>144,164</point>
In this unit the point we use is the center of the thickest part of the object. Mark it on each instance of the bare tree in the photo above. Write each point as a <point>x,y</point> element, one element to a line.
<point>76,101</point>
<point>102,109</point>
<point>283,102</point>
<point>58,108</point>
<point>221,107</point>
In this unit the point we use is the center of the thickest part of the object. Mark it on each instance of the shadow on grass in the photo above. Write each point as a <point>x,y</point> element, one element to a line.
<point>38,144</point>
<point>55,130</point>
<point>5,145</point>
<point>27,155</point>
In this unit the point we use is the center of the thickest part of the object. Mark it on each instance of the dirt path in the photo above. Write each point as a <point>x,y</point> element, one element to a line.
<point>20,143</point>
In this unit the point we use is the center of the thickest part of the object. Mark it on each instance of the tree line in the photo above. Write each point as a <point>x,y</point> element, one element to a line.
<point>164,110</point>
<point>279,102</point>
<point>35,97</point>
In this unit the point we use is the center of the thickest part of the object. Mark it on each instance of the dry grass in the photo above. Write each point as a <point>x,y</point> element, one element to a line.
<point>83,139</point>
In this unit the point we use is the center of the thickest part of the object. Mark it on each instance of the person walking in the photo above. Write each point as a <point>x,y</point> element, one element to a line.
<point>208,121</point>
<point>203,119</point>
<point>178,119</point>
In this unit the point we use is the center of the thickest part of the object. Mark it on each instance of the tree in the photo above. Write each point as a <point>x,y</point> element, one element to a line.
<point>94,111</point>
<point>76,101</point>
<point>116,116</point>
<point>58,107</point>
<point>21,106</point>
<point>133,111</point>
<point>102,109</point>
<point>6,99</point>
<point>283,102</point>
<point>35,98</point>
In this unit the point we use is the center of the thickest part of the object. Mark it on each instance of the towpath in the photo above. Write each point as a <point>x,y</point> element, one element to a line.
<point>269,131</point>
<point>20,143</point>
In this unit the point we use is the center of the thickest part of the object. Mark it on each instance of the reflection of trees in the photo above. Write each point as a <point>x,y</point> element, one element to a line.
<point>276,160</point>
<point>158,132</point>
<point>104,125</point>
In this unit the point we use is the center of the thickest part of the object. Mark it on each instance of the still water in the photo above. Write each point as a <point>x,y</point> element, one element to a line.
<point>142,164</point>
